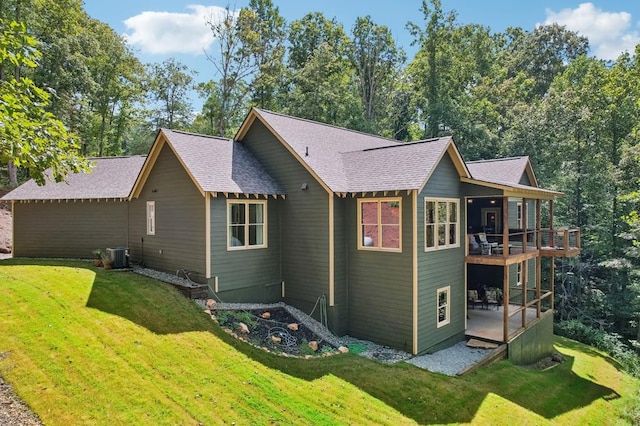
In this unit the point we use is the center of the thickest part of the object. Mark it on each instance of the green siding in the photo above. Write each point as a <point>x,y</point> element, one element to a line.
<point>68,228</point>
<point>304,216</point>
<point>524,180</point>
<point>534,343</point>
<point>251,275</point>
<point>440,268</point>
<point>179,240</point>
<point>339,314</point>
<point>471,190</point>
<point>381,285</point>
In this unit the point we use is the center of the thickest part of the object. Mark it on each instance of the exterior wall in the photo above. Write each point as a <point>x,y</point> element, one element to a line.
<point>441,268</point>
<point>179,240</point>
<point>68,229</point>
<point>339,314</point>
<point>380,291</point>
<point>250,275</point>
<point>515,291</point>
<point>534,343</point>
<point>304,216</point>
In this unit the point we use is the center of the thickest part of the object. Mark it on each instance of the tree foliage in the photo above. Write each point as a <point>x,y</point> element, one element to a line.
<point>30,136</point>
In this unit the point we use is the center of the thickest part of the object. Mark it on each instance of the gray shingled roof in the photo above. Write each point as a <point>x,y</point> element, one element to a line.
<point>324,145</point>
<point>111,177</point>
<point>503,171</point>
<point>221,165</point>
<point>397,167</point>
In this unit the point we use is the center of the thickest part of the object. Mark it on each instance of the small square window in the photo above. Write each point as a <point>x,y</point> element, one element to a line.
<point>246,224</point>
<point>443,306</point>
<point>380,224</point>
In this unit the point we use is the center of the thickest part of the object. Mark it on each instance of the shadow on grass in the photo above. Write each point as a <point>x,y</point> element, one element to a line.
<point>427,398</point>
<point>156,306</point>
<point>431,398</point>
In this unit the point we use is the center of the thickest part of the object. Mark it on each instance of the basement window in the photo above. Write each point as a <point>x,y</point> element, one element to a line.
<point>151,217</point>
<point>380,224</point>
<point>247,224</point>
<point>443,310</point>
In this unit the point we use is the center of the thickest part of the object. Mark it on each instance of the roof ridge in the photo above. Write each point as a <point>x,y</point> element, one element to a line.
<point>184,132</point>
<point>328,125</point>
<point>498,159</point>
<point>403,144</point>
<point>114,157</point>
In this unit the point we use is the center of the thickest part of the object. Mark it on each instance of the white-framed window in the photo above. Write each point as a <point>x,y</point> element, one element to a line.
<point>246,224</point>
<point>443,310</point>
<point>151,218</point>
<point>380,224</point>
<point>441,223</point>
<point>519,274</point>
<point>519,215</point>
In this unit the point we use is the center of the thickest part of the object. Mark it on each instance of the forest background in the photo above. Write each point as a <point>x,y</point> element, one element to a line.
<point>72,88</point>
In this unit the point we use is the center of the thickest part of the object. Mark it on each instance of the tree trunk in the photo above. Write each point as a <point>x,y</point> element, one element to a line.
<point>13,174</point>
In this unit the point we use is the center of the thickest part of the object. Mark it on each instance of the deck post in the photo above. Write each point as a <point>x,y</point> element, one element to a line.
<point>525,238</point>
<point>538,261</point>
<point>525,289</point>
<point>505,302</point>
<point>553,279</point>
<point>505,227</point>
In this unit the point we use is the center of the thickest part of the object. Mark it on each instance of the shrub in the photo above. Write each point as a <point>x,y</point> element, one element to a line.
<point>611,343</point>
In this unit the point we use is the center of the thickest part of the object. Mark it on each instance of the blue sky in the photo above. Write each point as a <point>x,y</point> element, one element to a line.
<point>159,29</point>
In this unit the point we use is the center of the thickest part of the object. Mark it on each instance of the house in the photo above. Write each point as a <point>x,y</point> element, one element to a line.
<point>381,233</point>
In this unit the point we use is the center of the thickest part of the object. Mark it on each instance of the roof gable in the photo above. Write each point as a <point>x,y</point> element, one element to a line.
<point>110,178</point>
<point>213,164</point>
<point>503,171</point>
<point>344,160</point>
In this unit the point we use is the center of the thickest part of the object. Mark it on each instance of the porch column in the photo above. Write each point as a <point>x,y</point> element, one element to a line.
<point>505,303</point>
<point>524,271</point>
<point>553,258</point>
<point>538,261</point>
<point>505,226</point>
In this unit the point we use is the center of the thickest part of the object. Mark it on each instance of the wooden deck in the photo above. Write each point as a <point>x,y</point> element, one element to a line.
<point>487,324</point>
<point>515,255</point>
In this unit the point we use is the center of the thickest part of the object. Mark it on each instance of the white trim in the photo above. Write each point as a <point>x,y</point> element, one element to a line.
<point>332,252</point>
<point>447,319</point>
<point>414,278</point>
<point>207,232</point>
<point>246,245</point>
<point>519,216</point>
<point>435,224</point>
<point>380,225</point>
<point>151,218</point>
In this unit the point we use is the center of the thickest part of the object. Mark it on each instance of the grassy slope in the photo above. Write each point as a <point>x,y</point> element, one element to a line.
<point>87,346</point>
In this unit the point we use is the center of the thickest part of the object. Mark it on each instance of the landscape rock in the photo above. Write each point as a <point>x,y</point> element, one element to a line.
<point>343,349</point>
<point>266,315</point>
<point>557,358</point>
<point>293,327</point>
<point>313,345</point>
<point>242,328</point>
<point>211,304</point>
<point>207,311</point>
<point>276,339</point>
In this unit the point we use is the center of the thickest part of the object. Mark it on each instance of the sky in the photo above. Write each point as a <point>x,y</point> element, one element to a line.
<point>160,29</point>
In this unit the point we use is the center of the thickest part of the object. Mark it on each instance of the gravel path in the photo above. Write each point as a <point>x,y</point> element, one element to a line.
<point>452,360</point>
<point>13,411</point>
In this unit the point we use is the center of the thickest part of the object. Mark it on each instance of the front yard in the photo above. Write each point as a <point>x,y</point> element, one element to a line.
<point>86,346</point>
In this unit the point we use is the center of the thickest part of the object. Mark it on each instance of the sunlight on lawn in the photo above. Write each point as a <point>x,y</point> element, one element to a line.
<point>496,410</point>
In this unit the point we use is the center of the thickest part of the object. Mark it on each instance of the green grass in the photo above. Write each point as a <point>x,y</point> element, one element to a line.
<point>85,346</point>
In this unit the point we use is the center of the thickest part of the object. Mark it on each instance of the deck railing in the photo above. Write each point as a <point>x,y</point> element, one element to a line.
<point>495,243</point>
<point>561,238</point>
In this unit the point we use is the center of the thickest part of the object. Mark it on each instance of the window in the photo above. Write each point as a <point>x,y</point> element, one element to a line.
<point>151,218</point>
<point>519,215</point>
<point>379,222</point>
<point>443,311</point>
<point>247,224</point>
<point>519,274</point>
<point>441,223</point>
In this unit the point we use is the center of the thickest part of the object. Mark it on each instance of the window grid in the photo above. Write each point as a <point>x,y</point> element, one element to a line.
<point>151,217</point>
<point>441,223</point>
<point>246,224</point>
<point>443,309</point>
<point>380,224</point>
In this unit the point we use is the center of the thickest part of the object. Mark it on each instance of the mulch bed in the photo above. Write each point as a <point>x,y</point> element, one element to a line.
<point>272,329</point>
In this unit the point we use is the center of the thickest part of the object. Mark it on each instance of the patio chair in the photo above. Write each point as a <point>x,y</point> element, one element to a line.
<point>487,247</point>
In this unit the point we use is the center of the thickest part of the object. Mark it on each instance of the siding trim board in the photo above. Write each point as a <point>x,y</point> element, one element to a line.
<point>332,250</point>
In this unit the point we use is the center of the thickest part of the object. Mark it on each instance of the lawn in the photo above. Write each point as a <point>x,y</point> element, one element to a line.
<point>86,346</point>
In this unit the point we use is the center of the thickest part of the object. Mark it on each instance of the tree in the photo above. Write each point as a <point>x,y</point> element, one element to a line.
<point>31,137</point>
<point>377,62</point>
<point>169,86</point>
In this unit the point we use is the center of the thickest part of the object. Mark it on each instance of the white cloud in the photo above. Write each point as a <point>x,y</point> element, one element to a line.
<point>169,32</point>
<point>609,33</point>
